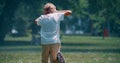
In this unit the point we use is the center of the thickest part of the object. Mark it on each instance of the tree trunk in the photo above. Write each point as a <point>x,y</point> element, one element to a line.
<point>6,17</point>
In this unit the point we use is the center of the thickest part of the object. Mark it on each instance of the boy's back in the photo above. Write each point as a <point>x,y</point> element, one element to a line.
<point>50,25</point>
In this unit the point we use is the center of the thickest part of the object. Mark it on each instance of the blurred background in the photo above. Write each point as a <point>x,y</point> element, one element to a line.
<point>90,35</point>
<point>90,17</point>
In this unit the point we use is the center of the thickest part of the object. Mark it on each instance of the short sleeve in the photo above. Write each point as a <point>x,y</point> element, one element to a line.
<point>61,16</point>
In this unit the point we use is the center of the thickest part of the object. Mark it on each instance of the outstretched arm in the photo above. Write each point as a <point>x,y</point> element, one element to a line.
<point>66,12</point>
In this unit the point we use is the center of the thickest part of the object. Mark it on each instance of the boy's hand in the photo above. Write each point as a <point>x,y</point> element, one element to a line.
<point>68,12</point>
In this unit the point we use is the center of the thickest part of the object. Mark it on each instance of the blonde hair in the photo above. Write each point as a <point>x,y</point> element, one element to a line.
<point>48,7</point>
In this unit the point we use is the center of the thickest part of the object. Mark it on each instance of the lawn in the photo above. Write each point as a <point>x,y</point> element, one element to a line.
<point>75,49</point>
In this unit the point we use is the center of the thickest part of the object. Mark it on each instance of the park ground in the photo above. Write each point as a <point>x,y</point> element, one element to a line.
<point>75,49</point>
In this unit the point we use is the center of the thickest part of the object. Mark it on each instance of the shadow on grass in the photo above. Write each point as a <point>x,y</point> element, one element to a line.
<point>106,50</point>
<point>36,49</point>
<point>23,43</point>
<point>62,50</point>
<point>79,44</point>
<point>15,43</point>
<point>92,50</point>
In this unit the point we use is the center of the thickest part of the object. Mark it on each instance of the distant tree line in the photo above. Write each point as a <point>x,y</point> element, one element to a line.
<point>93,15</point>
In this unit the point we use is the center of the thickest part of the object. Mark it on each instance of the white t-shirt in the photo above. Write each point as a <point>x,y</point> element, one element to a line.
<point>50,27</point>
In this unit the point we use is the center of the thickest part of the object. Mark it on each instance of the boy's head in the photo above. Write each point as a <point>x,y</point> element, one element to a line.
<point>49,8</point>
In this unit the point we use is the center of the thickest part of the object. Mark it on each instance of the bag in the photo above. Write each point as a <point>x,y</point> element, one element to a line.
<point>60,58</point>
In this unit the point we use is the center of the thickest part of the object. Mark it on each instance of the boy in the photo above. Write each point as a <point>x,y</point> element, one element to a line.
<point>50,27</point>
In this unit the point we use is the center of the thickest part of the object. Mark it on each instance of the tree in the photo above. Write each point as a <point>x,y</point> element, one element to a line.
<point>105,12</point>
<point>6,17</point>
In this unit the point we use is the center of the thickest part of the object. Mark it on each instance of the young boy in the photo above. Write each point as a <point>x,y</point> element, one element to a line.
<point>50,27</point>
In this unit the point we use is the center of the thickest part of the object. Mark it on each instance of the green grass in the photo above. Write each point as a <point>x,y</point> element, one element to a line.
<point>25,38</point>
<point>75,49</point>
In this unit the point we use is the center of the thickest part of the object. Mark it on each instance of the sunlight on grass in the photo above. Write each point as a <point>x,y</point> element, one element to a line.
<point>92,57</point>
<point>90,39</point>
<point>20,57</point>
<point>25,38</point>
<point>35,57</point>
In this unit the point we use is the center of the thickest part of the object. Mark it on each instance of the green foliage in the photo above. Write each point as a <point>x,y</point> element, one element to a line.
<point>103,12</point>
